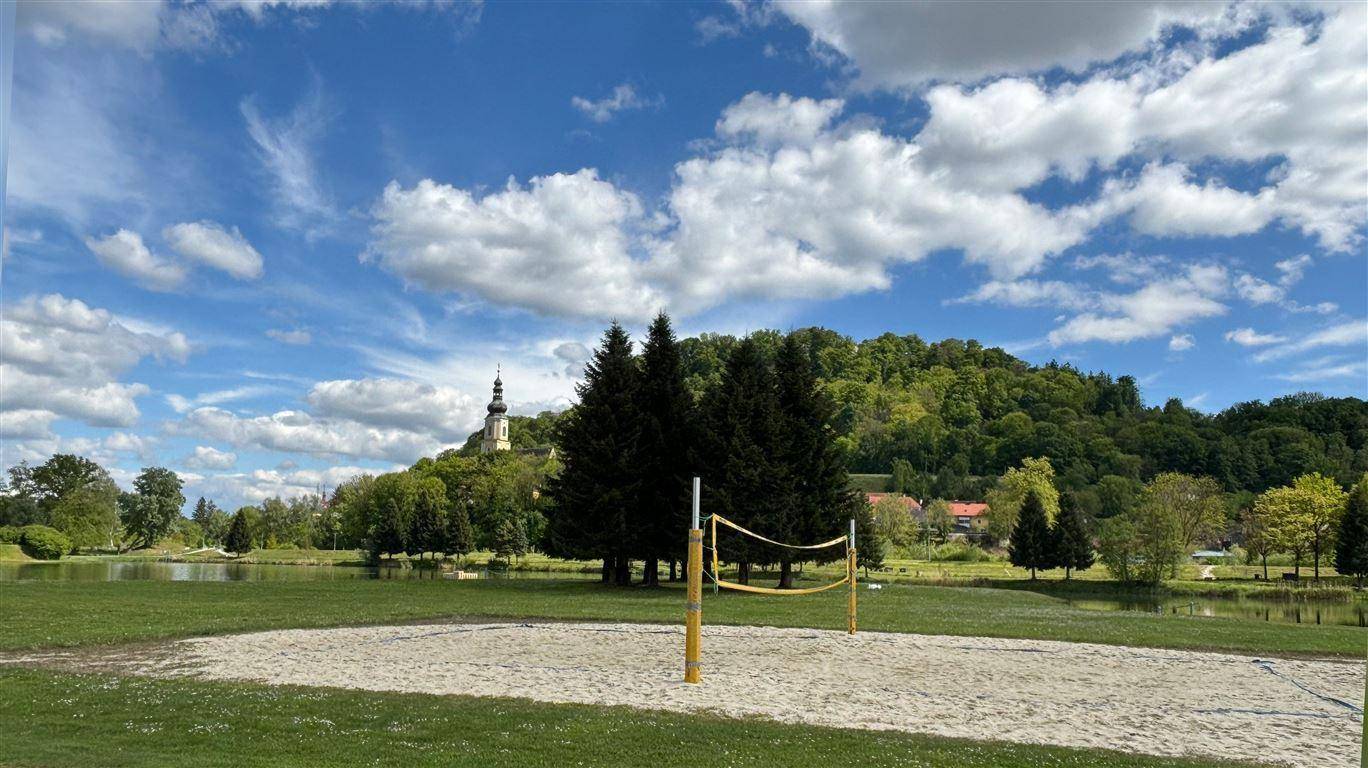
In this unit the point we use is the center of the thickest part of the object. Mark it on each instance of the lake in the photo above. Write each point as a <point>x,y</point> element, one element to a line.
<point>1353,614</point>
<point>109,570</point>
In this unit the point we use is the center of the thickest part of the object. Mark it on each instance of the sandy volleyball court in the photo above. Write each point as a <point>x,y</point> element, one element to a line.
<point>1303,713</point>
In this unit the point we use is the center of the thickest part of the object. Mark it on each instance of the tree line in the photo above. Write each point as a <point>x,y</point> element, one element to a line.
<point>759,437</point>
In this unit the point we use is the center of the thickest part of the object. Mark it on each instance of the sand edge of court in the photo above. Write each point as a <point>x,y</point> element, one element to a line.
<point>1163,702</point>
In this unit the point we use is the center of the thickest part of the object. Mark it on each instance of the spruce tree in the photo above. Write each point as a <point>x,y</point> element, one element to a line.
<point>818,499</point>
<point>1072,545</point>
<point>239,539</point>
<point>599,482</point>
<point>1031,545</point>
<point>660,521</point>
<point>390,533</point>
<point>1351,546</point>
<point>741,446</point>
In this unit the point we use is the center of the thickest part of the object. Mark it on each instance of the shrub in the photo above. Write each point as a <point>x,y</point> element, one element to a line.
<point>44,543</point>
<point>959,552</point>
<point>11,534</point>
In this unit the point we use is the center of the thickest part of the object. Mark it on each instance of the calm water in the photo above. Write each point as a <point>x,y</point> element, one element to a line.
<point>104,570</point>
<point>1349,614</point>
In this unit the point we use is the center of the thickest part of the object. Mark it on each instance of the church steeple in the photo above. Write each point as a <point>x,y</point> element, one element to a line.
<point>496,423</point>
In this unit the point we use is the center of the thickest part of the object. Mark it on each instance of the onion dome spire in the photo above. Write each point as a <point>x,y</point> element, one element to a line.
<point>497,405</point>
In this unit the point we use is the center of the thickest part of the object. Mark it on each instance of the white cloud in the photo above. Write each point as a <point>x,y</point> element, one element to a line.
<point>297,336</point>
<point>775,120</point>
<point>559,246</point>
<point>904,45</point>
<point>208,457</point>
<point>1350,333</point>
<point>298,432</point>
<point>182,404</point>
<point>285,148</point>
<point>63,359</point>
<point>1293,268</point>
<point>1182,342</point>
<point>1153,310</point>
<point>1029,293</point>
<point>1163,202</point>
<point>134,24</point>
<point>258,485</point>
<point>443,412</point>
<point>623,98</point>
<point>209,243</point>
<point>1257,291</point>
<point>1326,369</point>
<point>1248,337</point>
<point>125,253</point>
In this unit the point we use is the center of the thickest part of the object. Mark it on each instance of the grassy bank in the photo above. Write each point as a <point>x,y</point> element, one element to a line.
<point>141,722</point>
<point>13,553</point>
<point>53,613</point>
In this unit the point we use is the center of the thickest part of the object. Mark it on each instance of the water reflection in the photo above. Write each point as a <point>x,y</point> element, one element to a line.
<point>1347,614</point>
<point>105,570</point>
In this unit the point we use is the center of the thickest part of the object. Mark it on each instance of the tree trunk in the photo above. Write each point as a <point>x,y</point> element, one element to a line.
<point>672,570</point>
<point>786,575</point>
<point>1265,565</point>
<point>624,572</point>
<point>1315,562</point>
<point>607,572</point>
<point>651,576</point>
<point>1066,572</point>
<point>743,573</point>
<point>1033,574</point>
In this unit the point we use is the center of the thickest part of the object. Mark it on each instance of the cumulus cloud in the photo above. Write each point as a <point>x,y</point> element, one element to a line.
<point>1029,293</point>
<point>1248,337</point>
<point>208,457</point>
<point>285,482</point>
<point>559,246</point>
<point>574,355</point>
<point>793,200</point>
<point>125,253</point>
<point>904,45</point>
<point>624,98</point>
<point>1153,310</point>
<point>63,359</point>
<point>1182,342</point>
<point>443,412</point>
<point>210,244</point>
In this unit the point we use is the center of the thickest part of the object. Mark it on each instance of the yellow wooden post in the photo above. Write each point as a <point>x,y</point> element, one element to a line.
<point>693,608</point>
<point>850,574</point>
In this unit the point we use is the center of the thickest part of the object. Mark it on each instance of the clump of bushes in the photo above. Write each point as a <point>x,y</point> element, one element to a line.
<point>11,534</point>
<point>43,543</point>
<point>960,552</point>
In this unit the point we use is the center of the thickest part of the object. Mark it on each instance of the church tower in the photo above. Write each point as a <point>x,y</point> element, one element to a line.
<point>496,423</point>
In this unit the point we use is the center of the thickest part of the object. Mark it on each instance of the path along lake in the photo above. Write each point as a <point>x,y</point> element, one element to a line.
<point>1354,614</point>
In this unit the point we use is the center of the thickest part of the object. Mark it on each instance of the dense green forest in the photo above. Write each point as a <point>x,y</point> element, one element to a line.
<point>947,418</point>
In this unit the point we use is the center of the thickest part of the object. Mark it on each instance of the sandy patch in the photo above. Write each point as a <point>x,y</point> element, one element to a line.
<point>1297,712</point>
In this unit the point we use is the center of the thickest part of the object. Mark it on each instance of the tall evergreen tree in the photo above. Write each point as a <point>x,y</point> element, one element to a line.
<point>599,485</point>
<point>818,499</point>
<point>660,521</point>
<point>744,478</point>
<point>1072,545</point>
<point>1031,544</point>
<point>1351,546</point>
<point>239,539</point>
<point>390,535</point>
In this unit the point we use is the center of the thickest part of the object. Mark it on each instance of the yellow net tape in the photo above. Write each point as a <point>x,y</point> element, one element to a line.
<point>773,591</point>
<point>729,523</point>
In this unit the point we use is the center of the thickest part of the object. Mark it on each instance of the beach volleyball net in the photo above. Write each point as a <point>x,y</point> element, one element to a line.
<point>693,606</point>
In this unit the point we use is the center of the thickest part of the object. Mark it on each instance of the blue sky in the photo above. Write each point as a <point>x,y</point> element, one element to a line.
<point>272,244</point>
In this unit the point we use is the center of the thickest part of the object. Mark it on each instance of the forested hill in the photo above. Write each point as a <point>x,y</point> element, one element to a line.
<point>958,414</point>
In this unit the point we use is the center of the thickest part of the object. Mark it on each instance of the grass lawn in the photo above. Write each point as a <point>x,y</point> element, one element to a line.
<point>58,719</point>
<point>36,614</point>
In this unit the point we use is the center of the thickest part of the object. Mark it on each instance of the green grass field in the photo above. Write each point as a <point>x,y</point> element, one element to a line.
<point>55,719</point>
<point>37,614</point>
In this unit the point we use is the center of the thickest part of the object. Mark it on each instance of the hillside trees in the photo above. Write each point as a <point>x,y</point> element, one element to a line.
<point>1007,497</point>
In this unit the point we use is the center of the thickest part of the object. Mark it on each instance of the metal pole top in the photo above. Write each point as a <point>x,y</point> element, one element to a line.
<point>696,485</point>
<point>852,531</point>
